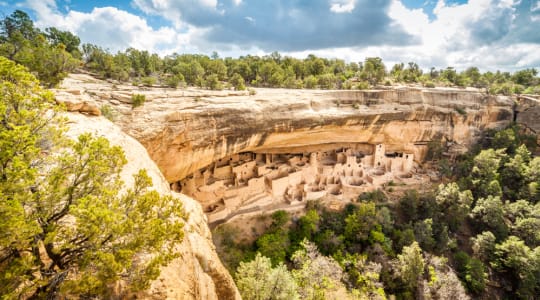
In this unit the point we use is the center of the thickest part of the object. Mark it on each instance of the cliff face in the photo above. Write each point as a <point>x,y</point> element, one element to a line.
<point>185,130</point>
<point>198,272</point>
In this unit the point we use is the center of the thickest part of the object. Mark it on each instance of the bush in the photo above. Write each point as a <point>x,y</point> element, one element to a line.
<point>212,82</point>
<point>148,81</point>
<point>137,100</point>
<point>107,111</point>
<point>174,81</point>
<point>429,84</point>
<point>252,92</point>
<point>238,82</point>
<point>460,110</point>
<point>327,81</point>
<point>310,82</point>
<point>362,85</point>
<point>347,85</point>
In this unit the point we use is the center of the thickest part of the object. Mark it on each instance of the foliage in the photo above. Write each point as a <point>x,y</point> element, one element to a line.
<point>258,280</point>
<point>53,53</point>
<point>148,81</point>
<point>411,264</point>
<point>443,282</point>
<point>137,100</point>
<point>46,54</point>
<point>373,71</point>
<point>497,197</point>
<point>66,229</point>
<point>317,276</point>
<point>173,81</point>
<point>455,203</point>
<point>522,263</point>
<point>238,82</point>
<point>108,112</point>
<point>212,82</point>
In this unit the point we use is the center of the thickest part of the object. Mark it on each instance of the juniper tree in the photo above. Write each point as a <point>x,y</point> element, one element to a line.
<point>68,226</point>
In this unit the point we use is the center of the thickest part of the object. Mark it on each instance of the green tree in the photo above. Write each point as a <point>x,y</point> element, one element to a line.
<point>489,213</point>
<point>412,73</point>
<point>66,38</point>
<point>473,76</point>
<point>411,265</point>
<point>364,276</point>
<point>327,81</point>
<point>317,276</point>
<point>274,245</point>
<point>522,263</point>
<point>360,223</point>
<point>397,72</point>
<point>476,276</point>
<point>306,226</point>
<point>483,245</point>
<point>238,82</point>
<point>485,173</point>
<point>423,231</point>
<point>16,33</point>
<point>22,42</point>
<point>454,204</point>
<point>212,82</point>
<point>257,280</point>
<point>65,228</point>
<point>373,70</point>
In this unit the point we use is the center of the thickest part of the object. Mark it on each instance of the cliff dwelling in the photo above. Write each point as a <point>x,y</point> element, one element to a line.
<point>249,182</point>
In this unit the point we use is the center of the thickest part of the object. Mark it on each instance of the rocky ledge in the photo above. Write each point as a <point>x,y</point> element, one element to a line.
<point>185,130</point>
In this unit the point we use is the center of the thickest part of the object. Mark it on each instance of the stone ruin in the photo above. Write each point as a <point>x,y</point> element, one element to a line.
<point>248,182</point>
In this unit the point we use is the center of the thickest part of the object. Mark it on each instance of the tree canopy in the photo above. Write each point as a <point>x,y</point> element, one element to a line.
<point>68,226</point>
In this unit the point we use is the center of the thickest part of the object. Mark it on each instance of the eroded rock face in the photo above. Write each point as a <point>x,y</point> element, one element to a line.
<point>198,273</point>
<point>186,130</point>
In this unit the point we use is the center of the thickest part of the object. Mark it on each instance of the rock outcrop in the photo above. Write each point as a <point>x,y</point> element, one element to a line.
<point>186,130</point>
<point>198,272</point>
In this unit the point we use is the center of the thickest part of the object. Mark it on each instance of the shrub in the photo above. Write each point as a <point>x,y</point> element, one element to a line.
<point>137,100</point>
<point>310,82</point>
<point>212,82</point>
<point>238,82</point>
<point>107,111</point>
<point>460,110</point>
<point>252,92</point>
<point>429,84</point>
<point>362,85</point>
<point>174,80</point>
<point>347,85</point>
<point>327,81</point>
<point>148,81</point>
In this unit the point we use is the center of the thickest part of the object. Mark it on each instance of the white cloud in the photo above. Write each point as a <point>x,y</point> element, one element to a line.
<point>342,6</point>
<point>463,35</point>
<point>115,29</point>
<point>483,33</point>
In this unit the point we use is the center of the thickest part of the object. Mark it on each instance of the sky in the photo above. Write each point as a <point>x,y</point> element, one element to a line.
<point>489,34</point>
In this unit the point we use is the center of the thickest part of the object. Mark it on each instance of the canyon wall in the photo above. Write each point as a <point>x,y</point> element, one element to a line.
<point>198,272</point>
<point>186,130</point>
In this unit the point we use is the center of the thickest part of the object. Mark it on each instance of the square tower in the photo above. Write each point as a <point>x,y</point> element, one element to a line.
<point>378,156</point>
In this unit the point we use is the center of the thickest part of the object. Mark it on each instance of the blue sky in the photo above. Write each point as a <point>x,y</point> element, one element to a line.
<point>490,34</point>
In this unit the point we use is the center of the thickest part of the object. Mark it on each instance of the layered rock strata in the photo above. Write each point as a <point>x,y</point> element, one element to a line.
<point>186,130</point>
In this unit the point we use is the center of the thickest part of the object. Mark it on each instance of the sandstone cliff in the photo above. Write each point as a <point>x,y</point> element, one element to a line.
<point>185,130</point>
<point>198,273</point>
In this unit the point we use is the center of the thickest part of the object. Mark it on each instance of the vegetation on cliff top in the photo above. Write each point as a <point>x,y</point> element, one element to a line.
<point>477,235</point>
<point>54,53</point>
<point>68,226</point>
